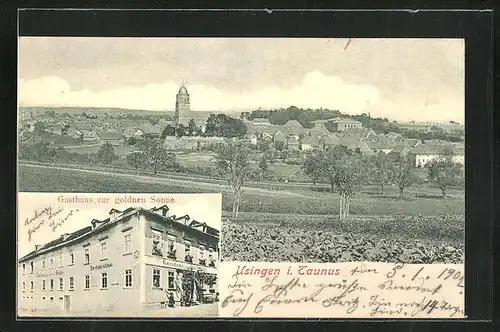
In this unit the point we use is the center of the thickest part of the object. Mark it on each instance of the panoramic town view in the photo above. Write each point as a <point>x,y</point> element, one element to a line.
<point>300,181</point>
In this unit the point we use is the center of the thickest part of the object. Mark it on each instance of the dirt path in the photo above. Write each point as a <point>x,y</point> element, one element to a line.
<point>182,183</point>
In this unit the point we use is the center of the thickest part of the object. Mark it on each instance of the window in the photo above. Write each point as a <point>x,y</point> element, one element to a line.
<point>32,285</point>
<point>60,259</point>
<point>171,280</point>
<point>32,267</point>
<point>157,243</point>
<point>87,282</point>
<point>51,262</point>
<point>43,284</point>
<point>128,278</point>
<point>71,257</point>
<point>188,248</point>
<point>43,264</point>
<point>24,269</point>
<point>104,254</point>
<point>71,283</point>
<point>202,252</point>
<point>61,283</point>
<point>128,243</point>
<point>51,284</point>
<point>87,255</point>
<point>156,278</point>
<point>104,280</point>
<point>24,286</point>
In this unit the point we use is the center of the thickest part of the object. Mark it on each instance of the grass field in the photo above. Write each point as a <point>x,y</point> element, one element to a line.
<point>253,200</point>
<point>120,151</point>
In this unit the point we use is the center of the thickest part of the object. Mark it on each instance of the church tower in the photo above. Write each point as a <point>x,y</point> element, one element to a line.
<point>182,105</point>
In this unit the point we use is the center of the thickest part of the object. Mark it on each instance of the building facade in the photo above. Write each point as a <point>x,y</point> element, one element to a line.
<point>345,124</point>
<point>134,259</point>
<point>182,106</point>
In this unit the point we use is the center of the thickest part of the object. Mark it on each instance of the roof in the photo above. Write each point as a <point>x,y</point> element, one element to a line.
<point>279,136</point>
<point>110,135</point>
<point>183,90</point>
<point>345,120</point>
<point>293,123</point>
<point>94,229</point>
<point>429,149</point>
<point>88,133</point>
<point>261,120</point>
<point>151,130</point>
<point>399,148</point>
<point>379,145</point>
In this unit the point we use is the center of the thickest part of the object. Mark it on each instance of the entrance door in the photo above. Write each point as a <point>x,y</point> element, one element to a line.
<point>67,303</point>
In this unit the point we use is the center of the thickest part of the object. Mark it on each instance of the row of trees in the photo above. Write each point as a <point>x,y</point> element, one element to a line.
<point>345,171</point>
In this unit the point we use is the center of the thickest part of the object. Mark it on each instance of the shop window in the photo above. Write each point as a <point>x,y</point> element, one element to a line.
<point>156,278</point>
<point>128,278</point>
<point>171,280</point>
<point>104,280</point>
<point>87,282</point>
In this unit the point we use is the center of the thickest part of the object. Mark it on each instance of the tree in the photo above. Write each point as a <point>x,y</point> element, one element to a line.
<point>157,156</point>
<point>40,127</point>
<point>349,175</point>
<point>233,162</point>
<point>264,166</point>
<point>168,131</point>
<point>380,170</point>
<point>341,168</point>
<point>403,174</point>
<point>131,141</point>
<point>180,130</point>
<point>136,159</point>
<point>444,172</point>
<point>191,128</point>
<point>106,154</point>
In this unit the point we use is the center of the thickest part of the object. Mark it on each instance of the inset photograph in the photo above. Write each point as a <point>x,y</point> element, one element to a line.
<point>117,255</point>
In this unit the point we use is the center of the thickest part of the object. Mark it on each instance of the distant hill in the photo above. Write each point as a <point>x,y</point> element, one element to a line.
<point>117,111</point>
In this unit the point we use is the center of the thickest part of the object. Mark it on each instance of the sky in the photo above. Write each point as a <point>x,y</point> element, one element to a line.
<point>201,207</point>
<point>401,79</point>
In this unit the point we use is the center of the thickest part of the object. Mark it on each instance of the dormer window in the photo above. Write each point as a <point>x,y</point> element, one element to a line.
<point>113,214</point>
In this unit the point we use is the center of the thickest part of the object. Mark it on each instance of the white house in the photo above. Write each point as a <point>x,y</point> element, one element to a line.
<point>425,153</point>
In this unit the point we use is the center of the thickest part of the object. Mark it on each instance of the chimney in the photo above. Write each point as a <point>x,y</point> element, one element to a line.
<point>38,247</point>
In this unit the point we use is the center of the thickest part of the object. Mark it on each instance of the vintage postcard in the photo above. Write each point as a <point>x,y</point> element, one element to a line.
<point>343,155</point>
<point>118,255</point>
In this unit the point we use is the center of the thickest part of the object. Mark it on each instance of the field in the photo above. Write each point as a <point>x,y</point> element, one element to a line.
<point>120,151</point>
<point>296,201</point>
<point>299,223</point>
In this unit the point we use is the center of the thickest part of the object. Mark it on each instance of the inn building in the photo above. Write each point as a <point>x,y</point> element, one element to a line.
<point>133,259</point>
